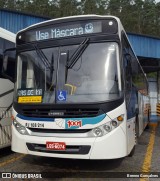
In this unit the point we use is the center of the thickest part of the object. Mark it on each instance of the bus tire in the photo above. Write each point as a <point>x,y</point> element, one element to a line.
<point>132,152</point>
<point>147,127</point>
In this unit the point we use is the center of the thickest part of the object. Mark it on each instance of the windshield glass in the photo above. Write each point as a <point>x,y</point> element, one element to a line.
<point>94,77</point>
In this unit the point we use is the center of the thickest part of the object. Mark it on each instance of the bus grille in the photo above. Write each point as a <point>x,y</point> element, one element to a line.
<point>39,130</point>
<point>70,149</point>
<point>67,113</point>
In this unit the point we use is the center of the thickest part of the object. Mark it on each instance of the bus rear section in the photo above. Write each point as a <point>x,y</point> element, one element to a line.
<point>7,40</point>
<point>74,96</point>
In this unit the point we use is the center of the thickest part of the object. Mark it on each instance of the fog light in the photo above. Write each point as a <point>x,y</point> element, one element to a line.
<point>22,130</point>
<point>107,128</point>
<point>114,123</point>
<point>98,132</point>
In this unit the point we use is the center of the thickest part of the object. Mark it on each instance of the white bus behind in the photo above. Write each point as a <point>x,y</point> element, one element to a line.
<point>7,40</point>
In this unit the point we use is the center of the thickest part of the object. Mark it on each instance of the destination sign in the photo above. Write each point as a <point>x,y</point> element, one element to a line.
<point>67,29</point>
<point>29,92</point>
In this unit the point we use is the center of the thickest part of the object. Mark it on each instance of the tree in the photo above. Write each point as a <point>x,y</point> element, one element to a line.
<point>68,8</point>
<point>114,7</point>
<point>89,6</point>
<point>157,19</point>
<point>2,3</point>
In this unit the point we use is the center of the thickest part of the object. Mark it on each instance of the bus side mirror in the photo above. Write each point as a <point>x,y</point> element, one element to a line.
<point>9,64</point>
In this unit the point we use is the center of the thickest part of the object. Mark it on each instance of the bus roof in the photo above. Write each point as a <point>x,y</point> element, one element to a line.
<point>71,17</point>
<point>7,35</point>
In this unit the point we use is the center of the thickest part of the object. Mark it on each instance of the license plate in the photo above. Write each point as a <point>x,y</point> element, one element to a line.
<point>55,145</point>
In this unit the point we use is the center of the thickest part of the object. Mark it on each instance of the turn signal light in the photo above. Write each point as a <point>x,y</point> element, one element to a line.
<point>12,117</point>
<point>120,118</point>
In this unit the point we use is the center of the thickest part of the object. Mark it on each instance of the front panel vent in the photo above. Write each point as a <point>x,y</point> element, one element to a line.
<point>60,113</point>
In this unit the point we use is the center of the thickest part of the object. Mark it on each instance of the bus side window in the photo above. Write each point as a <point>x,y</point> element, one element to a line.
<point>127,70</point>
<point>1,54</point>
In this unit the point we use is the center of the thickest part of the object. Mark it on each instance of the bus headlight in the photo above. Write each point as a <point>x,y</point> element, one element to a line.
<point>107,127</point>
<point>97,132</point>
<point>20,128</point>
<point>114,123</point>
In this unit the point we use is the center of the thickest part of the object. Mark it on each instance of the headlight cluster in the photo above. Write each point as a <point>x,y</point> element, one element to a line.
<point>20,128</point>
<point>107,127</point>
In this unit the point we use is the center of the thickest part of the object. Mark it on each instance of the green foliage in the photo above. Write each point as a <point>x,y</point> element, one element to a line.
<point>152,75</point>
<point>138,16</point>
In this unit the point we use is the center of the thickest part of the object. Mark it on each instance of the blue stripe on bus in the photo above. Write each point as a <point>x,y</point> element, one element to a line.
<point>34,119</point>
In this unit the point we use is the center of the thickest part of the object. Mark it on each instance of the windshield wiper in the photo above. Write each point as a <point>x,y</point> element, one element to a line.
<point>52,67</point>
<point>42,56</point>
<point>77,53</point>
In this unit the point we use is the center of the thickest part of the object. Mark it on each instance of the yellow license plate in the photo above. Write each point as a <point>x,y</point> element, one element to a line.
<point>29,99</point>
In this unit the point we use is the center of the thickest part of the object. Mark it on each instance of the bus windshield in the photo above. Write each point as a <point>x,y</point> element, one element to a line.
<point>93,77</point>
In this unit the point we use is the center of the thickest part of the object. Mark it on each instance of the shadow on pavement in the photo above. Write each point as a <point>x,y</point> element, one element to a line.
<point>5,151</point>
<point>61,164</point>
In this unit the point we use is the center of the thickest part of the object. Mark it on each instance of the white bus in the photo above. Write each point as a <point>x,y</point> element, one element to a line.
<point>80,91</point>
<point>7,40</point>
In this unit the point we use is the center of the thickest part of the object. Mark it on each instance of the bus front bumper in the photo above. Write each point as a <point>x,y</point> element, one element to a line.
<point>110,146</point>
